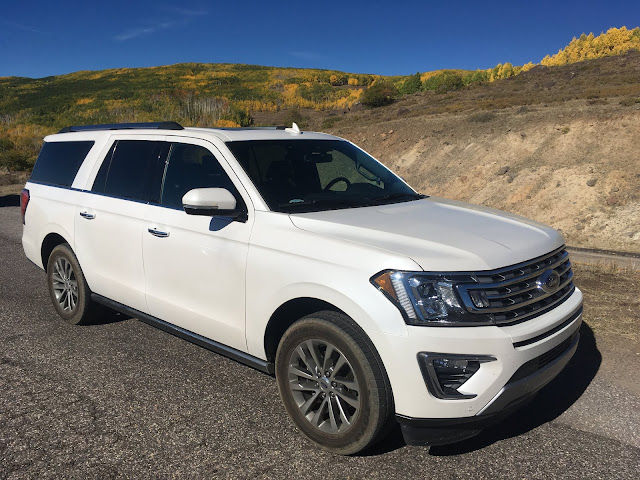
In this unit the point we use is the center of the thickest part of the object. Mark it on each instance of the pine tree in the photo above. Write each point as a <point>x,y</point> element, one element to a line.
<point>412,84</point>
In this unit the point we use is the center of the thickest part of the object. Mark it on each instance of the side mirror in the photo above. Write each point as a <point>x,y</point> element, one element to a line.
<point>212,202</point>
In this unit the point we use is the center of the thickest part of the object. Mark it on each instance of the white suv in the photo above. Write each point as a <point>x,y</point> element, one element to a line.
<point>299,254</point>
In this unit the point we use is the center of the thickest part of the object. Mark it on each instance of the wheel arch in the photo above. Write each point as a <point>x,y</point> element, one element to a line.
<point>286,315</point>
<point>50,241</point>
<point>373,313</point>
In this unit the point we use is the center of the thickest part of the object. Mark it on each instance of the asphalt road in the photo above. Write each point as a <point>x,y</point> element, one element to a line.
<point>121,399</point>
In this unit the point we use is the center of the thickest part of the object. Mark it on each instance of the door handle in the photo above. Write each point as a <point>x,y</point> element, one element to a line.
<point>158,233</point>
<point>87,215</point>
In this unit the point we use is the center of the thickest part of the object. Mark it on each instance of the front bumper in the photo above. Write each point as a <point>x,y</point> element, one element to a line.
<point>522,386</point>
<point>495,386</point>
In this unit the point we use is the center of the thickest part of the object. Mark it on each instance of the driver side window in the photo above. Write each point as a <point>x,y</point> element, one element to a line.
<point>189,167</point>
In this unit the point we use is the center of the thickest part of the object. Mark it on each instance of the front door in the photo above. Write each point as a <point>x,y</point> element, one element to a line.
<point>195,265</point>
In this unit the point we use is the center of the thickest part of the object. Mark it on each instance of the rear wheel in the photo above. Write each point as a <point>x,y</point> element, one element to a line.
<point>68,288</point>
<point>333,384</point>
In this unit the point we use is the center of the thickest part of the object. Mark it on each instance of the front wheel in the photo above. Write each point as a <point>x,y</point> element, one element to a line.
<point>68,288</point>
<point>333,384</point>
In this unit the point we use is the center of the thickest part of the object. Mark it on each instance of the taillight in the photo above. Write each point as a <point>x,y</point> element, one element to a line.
<point>24,201</point>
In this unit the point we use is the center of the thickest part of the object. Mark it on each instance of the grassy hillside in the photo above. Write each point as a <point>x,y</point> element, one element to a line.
<point>238,95</point>
<point>192,94</point>
<point>184,91</point>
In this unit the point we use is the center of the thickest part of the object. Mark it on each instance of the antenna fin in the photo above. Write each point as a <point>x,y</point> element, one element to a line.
<point>294,129</point>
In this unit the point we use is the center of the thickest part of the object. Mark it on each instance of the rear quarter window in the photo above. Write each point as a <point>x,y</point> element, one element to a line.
<point>59,162</point>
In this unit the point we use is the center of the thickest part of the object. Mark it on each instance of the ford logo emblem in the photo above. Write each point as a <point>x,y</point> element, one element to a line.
<point>549,281</point>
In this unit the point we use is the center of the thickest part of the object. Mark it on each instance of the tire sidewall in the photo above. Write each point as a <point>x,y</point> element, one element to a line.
<point>364,429</point>
<point>77,315</point>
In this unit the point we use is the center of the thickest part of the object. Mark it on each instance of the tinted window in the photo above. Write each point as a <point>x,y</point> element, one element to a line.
<point>311,175</point>
<point>189,167</point>
<point>127,174</point>
<point>101,178</point>
<point>59,162</point>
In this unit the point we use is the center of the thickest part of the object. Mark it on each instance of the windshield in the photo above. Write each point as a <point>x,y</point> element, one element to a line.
<point>314,175</point>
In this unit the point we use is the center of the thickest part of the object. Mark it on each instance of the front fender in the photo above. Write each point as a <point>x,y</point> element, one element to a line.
<point>376,313</point>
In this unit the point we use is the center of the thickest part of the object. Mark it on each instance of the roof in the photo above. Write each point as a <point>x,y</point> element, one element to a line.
<point>172,128</point>
<point>240,134</point>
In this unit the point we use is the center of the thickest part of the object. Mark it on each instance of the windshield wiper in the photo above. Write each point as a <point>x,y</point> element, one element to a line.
<point>335,203</point>
<point>397,196</point>
<point>332,202</point>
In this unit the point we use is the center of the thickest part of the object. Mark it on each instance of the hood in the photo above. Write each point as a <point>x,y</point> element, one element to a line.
<point>438,234</point>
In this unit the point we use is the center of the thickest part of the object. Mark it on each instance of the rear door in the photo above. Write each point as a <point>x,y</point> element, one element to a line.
<point>195,265</point>
<point>110,219</point>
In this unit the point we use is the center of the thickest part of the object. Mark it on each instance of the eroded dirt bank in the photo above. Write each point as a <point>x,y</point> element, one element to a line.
<point>575,165</point>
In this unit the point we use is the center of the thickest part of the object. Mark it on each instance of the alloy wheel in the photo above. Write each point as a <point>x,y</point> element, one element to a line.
<point>324,386</point>
<point>65,285</point>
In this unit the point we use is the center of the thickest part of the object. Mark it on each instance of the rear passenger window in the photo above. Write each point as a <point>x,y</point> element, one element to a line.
<point>59,162</point>
<point>126,170</point>
<point>189,167</point>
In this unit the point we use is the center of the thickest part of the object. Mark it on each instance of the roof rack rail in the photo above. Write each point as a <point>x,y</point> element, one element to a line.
<point>124,126</point>
<point>249,128</point>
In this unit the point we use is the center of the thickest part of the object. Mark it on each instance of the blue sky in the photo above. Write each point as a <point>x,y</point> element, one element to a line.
<point>41,38</point>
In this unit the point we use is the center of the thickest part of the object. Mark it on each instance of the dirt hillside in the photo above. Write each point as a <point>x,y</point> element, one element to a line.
<point>571,163</point>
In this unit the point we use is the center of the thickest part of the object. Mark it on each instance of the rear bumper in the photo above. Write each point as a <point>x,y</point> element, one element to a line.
<point>519,390</point>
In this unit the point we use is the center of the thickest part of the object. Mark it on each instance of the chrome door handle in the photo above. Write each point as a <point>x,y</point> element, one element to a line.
<point>158,233</point>
<point>87,215</point>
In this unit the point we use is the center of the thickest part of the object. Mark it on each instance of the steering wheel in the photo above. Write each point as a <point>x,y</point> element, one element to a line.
<point>336,180</point>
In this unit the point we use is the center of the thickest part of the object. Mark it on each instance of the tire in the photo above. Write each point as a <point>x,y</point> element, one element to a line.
<point>68,288</point>
<point>343,410</point>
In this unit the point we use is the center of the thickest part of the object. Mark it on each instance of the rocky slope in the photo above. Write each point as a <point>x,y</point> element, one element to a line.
<point>573,164</point>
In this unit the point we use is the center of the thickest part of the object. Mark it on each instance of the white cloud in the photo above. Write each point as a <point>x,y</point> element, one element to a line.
<point>141,31</point>
<point>184,16</point>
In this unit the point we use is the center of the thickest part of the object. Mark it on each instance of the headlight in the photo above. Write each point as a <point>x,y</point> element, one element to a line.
<point>427,298</point>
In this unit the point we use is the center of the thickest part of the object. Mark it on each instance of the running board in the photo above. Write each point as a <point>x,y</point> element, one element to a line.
<point>237,355</point>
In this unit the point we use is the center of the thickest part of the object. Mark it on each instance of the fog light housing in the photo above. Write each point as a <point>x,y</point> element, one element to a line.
<point>445,373</point>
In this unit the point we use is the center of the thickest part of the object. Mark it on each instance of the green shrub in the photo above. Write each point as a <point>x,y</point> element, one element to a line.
<point>317,92</point>
<point>364,80</point>
<point>294,80</point>
<point>479,76</point>
<point>443,82</point>
<point>5,144</point>
<point>380,94</point>
<point>14,161</point>
<point>238,115</point>
<point>411,85</point>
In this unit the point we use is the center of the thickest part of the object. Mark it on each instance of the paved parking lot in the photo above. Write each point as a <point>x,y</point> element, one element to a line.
<point>122,399</point>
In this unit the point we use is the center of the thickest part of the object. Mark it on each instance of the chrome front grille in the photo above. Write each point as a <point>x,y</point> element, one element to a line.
<point>513,294</point>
